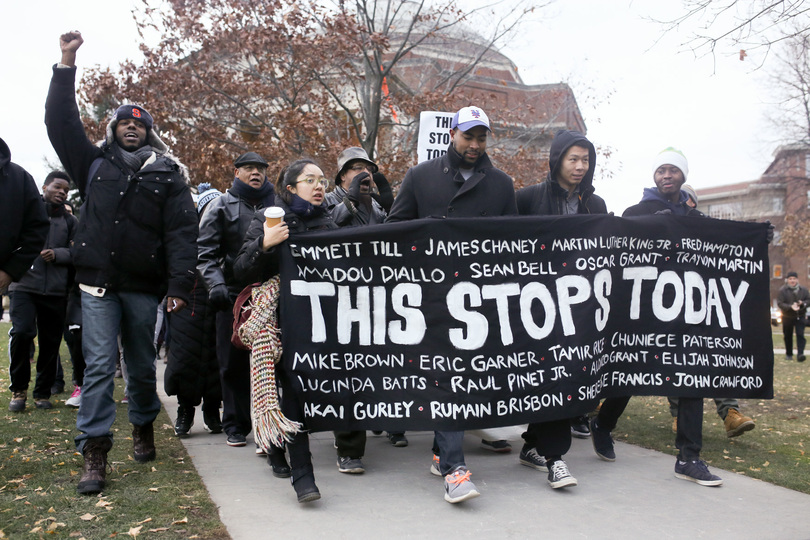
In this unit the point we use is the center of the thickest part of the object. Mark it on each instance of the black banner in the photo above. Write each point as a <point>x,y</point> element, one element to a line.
<point>474,323</point>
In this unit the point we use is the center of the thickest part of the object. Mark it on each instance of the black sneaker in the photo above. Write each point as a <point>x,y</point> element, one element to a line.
<point>185,419</point>
<point>579,427</point>
<point>558,475</point>
<point>350,465</point>
<point>211,421</point>
<point>278,463</point>
<point>236,439</point>
<point>499,447</point>
<point>696,471</point>
<point>602,442</point>
<point>801,358</point>
<point>530,458</point>
<point>398,439</point>
<point>43,403</point>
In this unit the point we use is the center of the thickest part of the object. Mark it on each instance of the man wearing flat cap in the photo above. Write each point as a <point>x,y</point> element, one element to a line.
<point>353,202</point>
<point>222,230</point>
<point>134,245</point>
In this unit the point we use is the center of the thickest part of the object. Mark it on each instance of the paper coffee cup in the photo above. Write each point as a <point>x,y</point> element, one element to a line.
<point>273,215</point>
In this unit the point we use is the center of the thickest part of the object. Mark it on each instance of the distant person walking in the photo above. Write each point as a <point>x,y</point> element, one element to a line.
<point>792,300</point>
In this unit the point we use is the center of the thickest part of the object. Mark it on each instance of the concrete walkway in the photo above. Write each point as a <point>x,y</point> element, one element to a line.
<point>635,497</point>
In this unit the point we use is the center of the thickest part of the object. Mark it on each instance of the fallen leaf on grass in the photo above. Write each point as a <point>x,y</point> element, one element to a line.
<point>18,439</point>
<point>766,463</point>
<point>103,504</point>
<point>35,530</point>
<point>21,497</point>
<point>160,529</point>
<point>134,531</point>
<point>87,517</point>
<point>55,525</point>
<point>180,521</point>
<point>147,520</point>
<point>153,489</point>
<point>51,510</point>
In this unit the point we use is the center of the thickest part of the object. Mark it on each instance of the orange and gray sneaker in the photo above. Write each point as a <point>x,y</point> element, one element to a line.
<point>434,467</point>
<point>458,486</point>
<point>737,424</point>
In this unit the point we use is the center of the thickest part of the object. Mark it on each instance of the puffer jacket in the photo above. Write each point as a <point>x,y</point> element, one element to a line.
<point>137,232</point>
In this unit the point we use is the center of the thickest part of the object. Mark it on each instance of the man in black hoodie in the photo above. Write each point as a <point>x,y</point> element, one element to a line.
<point>666,198</point>
<point>39,301</point>
<point>568,189</point>
<point>135,244</point>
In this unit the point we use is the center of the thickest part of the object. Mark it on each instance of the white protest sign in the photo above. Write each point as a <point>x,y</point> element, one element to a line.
<point>434,134</point>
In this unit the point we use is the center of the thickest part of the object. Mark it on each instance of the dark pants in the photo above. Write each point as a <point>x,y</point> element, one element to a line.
<point>33,314</point>
<point>350,443</point>
<point>688,438</point>
<point>73,339</point>
<point>448,445</point>
<point>234,373</point>
<point>551,439</point>
<point>788,324</point>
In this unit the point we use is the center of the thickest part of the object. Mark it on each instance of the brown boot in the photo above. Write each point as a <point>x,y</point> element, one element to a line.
<point>94,470</point>
<point>737,424</point>
<point>143,441</point>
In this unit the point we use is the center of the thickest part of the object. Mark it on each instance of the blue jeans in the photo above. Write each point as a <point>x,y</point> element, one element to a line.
<point>451,453</point>
<point>134,315</point>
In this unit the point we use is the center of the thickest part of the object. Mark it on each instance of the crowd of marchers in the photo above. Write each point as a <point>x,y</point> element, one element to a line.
<point>146,263</point>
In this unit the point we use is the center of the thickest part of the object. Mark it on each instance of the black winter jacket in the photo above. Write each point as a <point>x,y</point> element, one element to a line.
<point>137,232</point>
<point>23,221</point>
<point>223,226</point>
<point>788,296</point>
<point>192,371</point>
<point>52,279</point>
<point>652,201</point>
<point>548,197</point>
<point>343,217</point>
<point>255,265</point>
<point>435,188</point>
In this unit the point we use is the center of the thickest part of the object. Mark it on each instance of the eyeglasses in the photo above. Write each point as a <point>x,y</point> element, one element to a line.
<point>312,181</point>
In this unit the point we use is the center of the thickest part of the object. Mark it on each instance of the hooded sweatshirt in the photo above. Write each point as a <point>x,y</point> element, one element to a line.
<point>548,197</point>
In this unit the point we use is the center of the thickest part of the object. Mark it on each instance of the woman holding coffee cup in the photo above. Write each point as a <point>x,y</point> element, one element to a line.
<point>300,193</point>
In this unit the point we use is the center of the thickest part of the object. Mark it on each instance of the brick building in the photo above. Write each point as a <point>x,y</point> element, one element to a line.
<point>779,196</point>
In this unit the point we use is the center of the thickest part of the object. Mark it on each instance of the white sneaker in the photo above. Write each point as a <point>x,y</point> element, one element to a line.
<point>75,399</point>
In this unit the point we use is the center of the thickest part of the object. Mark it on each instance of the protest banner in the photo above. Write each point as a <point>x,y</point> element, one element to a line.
<point>472,323</point>
<point>434,134</point>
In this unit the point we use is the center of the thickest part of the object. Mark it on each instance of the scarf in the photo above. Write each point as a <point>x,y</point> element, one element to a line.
<point>132,161</point>
<point>55,209</point>
<point>305,209</point>
<point>262,196</point>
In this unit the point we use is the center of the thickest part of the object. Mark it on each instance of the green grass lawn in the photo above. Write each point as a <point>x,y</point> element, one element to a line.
<point>39,470</point>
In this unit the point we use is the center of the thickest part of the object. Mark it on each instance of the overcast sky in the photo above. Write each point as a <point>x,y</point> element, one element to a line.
<point>637,97</point>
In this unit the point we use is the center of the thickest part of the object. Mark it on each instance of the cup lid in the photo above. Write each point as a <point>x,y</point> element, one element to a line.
<point>273,212</point>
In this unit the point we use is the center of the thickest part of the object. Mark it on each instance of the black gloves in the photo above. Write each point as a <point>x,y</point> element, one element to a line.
<point>354,190</point>
<point>219,299</point>
<point>386,196</point>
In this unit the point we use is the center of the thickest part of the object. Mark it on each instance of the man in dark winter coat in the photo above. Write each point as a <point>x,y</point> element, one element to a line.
<point>462,183</point>
<point>39,301</point>
<point>135,244</point>
<point>352,201</point>
<point>222,231</point>
<point>792,300</point>
<point>670,169</point>
<point>568,189</point>
<point>22,219</point>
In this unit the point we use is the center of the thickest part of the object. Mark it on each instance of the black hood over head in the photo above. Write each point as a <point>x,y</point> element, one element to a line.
<point>5,154</point>
<point>563,140</point>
